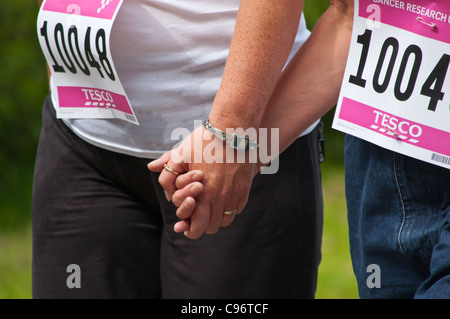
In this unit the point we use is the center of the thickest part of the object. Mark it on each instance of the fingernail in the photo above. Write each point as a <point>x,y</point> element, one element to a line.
<point>197,176</point>
<point>188,203</point>
<point>168,197</point>
<point>150,164</point>
<point>196,189</point>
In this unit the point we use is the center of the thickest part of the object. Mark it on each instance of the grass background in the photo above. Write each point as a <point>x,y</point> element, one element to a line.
<point>23,87</point>
<point>336,279</point>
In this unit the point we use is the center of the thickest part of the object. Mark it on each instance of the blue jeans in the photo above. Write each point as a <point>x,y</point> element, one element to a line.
<point>399,223</point>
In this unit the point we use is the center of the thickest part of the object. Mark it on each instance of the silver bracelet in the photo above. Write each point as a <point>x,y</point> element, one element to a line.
<point>241,143</point>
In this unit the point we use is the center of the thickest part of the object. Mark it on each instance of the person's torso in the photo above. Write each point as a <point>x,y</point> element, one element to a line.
<point>170,57</point>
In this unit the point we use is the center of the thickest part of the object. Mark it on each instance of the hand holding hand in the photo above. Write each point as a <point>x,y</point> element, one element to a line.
<point>223,194</point>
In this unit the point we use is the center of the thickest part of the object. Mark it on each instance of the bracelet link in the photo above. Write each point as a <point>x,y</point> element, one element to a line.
<point>241,143</point>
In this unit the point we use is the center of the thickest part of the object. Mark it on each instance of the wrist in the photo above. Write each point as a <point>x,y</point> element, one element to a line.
<point>237,138</point>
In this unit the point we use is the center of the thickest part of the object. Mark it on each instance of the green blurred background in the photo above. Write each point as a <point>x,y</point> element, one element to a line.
<point>23,88</point>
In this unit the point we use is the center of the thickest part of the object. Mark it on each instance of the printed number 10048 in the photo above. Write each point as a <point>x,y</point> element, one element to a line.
<point>75,60</point>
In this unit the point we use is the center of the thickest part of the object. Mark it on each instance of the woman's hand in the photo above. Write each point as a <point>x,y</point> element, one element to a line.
<point>207,206</point>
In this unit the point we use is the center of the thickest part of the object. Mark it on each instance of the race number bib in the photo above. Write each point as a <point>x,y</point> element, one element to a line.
<point>74,36</point>
<point>396,88</point>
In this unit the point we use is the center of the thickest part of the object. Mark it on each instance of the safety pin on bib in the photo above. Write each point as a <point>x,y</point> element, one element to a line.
<point>431,25</point>
<point>391,131</point>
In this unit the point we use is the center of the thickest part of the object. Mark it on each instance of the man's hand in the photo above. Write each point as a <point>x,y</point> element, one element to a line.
<point>224,189</point>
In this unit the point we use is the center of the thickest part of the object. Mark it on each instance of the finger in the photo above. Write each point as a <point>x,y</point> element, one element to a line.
<point>227,220</point>
<point>158,164</point>
<point>241,203</point>
<point>199,219</point>
<point>228,215</point>
<point>191,190</point>
<point>182,226</point>
<point>216,218</point>
<point>223,215</point>
<point>168,176</point>
<point>186,209</point>
<point>189,177</point>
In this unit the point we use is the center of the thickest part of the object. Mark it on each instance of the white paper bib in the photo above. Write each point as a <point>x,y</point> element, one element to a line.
<point>396,88</point>
<point>75,38</point>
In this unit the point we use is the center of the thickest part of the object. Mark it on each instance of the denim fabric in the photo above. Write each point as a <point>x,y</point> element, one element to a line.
<point>398,214</point>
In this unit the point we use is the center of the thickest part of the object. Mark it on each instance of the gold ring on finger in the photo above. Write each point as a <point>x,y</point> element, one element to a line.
<point>170,170</point>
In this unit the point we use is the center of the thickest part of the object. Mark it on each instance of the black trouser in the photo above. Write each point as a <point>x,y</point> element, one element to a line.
<point>106,213</point>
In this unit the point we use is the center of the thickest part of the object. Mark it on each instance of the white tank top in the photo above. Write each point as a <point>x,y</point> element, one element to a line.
<point>170,57</point>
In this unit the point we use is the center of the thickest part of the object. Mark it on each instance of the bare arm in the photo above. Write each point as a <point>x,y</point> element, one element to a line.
<point>263,38</point>
<point>310,85</point>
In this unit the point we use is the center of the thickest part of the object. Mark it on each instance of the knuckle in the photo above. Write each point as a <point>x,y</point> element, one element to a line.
<point>199,228</point>
<point>193,235</point>
<point>196,188</point>
<point>211,231</point>
<point>166,183</point>
<point>181,213</point>
<point>162,180</point>
<point>177,199</point>
<point>181,181</point>
<point>223,195</point>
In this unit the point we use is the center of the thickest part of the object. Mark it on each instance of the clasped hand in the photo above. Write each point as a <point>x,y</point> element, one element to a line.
<point>209,190</point>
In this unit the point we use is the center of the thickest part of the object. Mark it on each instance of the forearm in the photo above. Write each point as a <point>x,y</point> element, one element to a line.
<point>310,85</point>
<point>263,38</point>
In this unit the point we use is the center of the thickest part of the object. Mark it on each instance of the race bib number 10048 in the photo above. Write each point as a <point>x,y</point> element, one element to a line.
<point>74,36</point>
<point>396,88</point>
